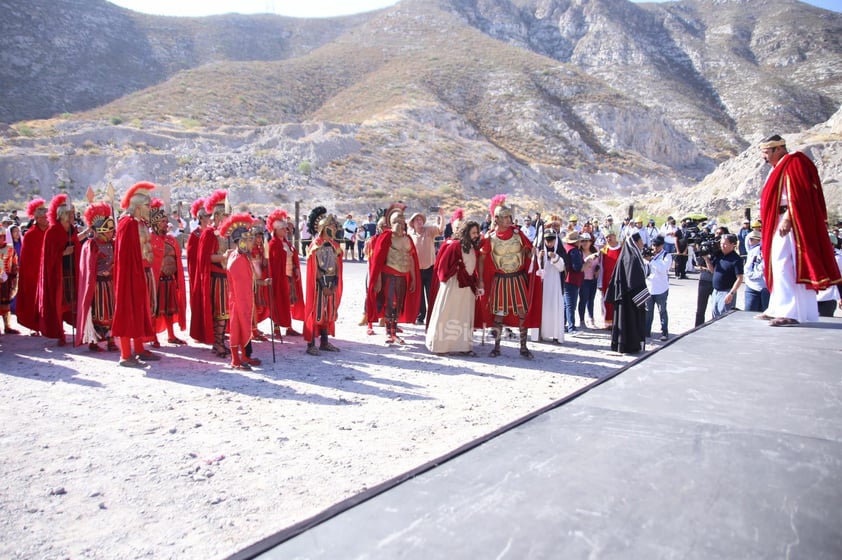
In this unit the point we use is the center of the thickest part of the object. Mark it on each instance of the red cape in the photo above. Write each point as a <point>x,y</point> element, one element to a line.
<point>52,309</point>
<point>533,282</point>
<point>240,299</point>
<point>815,262</point>
<point>201,324</point>
<point>449,262</point>
<point>373,305</point>
<point>609,263</point>
<point>29,271</point>
<point>181,316</point>
<point>310,303</point>
<point>86,286</point>
<point>132,316</point>
<point>280,308</point>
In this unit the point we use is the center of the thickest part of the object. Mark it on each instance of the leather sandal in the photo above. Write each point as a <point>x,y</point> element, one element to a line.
<point>783,322</point>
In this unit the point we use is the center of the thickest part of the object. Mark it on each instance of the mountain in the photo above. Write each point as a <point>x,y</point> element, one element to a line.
<point>568,105</point>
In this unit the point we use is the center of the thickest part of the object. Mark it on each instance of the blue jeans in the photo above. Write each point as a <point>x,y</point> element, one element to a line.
<point>571,295</point>
<point>756,301</point>
<point>661,301</point>
<point>719,305</point>
<point>587,294</point>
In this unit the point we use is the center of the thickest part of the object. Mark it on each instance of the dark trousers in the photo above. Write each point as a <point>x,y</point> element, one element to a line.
<point>680,266</point>
<point>702,297</point>
<point>424,292</point>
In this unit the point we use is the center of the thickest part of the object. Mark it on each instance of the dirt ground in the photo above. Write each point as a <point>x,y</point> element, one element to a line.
<point>190,459</point>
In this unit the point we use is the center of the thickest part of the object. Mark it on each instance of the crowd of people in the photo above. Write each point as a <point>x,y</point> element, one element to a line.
<point>120,282</point>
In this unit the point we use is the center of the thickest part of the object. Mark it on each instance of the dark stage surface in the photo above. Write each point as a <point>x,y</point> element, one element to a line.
<point>726,443</point>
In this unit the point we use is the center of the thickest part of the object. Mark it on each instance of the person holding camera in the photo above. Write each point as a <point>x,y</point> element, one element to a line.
<point>658,284</point>
<point>726,265</point>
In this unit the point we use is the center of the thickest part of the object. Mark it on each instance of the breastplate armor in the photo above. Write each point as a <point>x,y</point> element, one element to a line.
<point>168,265</point>
<point>105,259</point>
<point>145,243</point>
<point>507,254</point>
<point>398,256</point>
<point>326,260</point>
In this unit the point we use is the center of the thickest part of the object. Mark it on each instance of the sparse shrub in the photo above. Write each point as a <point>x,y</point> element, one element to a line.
<point>184,160</point>
<point>25,130</point>
<point>116,120</point>
<point>190,123</point>
<point>262,122</point>
<point>305,167</point>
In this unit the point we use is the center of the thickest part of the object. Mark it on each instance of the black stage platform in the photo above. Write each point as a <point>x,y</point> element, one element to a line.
<point>726,443</point>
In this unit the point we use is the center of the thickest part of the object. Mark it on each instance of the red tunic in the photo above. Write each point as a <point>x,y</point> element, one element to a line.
<point>53,307</point>
<point>310,327</point>
<point>376,266</point>
<point>295,289</point>
<point>29,273</point>
<point>815,263</point>
<point>132,316</point>
<point>240,298</point>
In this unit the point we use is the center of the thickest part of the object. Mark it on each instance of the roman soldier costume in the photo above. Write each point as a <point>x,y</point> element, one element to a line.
<point>96,286</point>
<point>393,276</point>
<point>324,281</point>
<point>505,255</point>
<point>132,278</point>
<point>240,286</point>
<point>285,271</point>
<point>170,293</point>
<point>30,266</point>
<point>59,270</point>
<point>212,290</point>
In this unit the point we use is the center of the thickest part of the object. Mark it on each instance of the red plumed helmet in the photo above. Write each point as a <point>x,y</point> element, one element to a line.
<point>498,200</point>
<point>216,199</point>
<point>34,205</point>
<point>277,216</point>
<point>233,224</point>
<point>97,212</point>
<point>143,187</point>
<point>198,204</point>
<point>458,215</point>
<point>59,204</point>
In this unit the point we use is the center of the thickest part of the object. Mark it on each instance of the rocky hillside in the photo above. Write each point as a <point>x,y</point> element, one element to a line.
<point>584,105</point>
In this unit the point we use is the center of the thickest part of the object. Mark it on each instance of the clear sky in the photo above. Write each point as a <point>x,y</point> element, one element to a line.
<point>295,8</point>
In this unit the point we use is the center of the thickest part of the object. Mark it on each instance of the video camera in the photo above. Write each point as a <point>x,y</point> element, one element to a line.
<point>704,242</point>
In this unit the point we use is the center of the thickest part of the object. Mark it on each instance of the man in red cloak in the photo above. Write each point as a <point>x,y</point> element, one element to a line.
<point>59,270</point>
<point>393,276</point>
<point>132,318</point>
<point>211,320</point>
<point>505,256</point>
<point>240,285</point>
<point>795,244</point>
<point>30,266</point>
<point>171,302</point>
<point>197,210</point>
<point>96,287</point>
<point>285,271</point>
<point>324,281</point>
<point>260,263</point>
